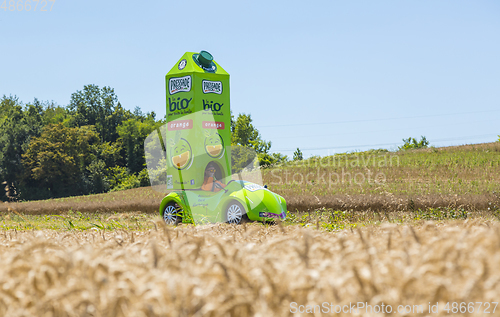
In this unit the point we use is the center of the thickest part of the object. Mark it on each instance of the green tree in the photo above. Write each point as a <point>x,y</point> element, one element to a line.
<point>241,157</point>
<point>132,134</point>
<point>56,162</point>
<point>266,159</point>
<point>297,155</point>
<point>245,134</point>
<point>412,143</point>
<point>55,114</point>
<point>109,153</point>
<point>7,103</point>
<point>17,127</point>
<point>98,107</point>
<point>11,139</point>
<point>33,118</point>
<point>97,175</point>
<point>52,151</point>
<point>233,123</point>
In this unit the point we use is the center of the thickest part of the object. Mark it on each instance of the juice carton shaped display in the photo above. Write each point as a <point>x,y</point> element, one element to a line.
<point>191,153</point>
<point>198,121</point>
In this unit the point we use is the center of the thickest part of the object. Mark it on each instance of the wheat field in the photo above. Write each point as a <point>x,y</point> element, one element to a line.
<point>248,270</point>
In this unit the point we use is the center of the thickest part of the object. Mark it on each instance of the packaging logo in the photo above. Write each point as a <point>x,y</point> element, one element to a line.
<point>211,106</point>
<point>182,64</point>
<point>214,87</point>
<point>178,104</point>
<point>179,84</point>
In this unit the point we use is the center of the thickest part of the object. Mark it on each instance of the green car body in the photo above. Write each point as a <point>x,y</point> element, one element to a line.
<point>257,203</point>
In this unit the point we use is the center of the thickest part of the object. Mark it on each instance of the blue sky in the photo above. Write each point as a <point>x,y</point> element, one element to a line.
<point>324,76</point>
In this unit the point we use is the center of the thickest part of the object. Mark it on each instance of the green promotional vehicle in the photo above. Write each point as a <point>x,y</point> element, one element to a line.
<point>192,152</point>
<point>240,201</point>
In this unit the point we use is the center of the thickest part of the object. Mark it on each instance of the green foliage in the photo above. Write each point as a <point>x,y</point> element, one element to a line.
<point>98,107</point>
<point>411,143</point>
<point>97,176</point>
<point>115,175</point>
<point>119,178</point>
<point>245,134</point>
<point>51,151</point>
<point>440,214</point>
<point>241,157</point>
<point>13,134</point>
<point>297,155</point>
<point>128,182</point>
<point>33,116</point>
<point>109,152</point>
<point>17,127</point>
<point>267,160</point>
<point>132,134</point>
<point>323,218</point>
<point>57,160</point>
<point>55,114</point>
<point>75,220</point>
<point>143,178</point>
<point>158,176</point>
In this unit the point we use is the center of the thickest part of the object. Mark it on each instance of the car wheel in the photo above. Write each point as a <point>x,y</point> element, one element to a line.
<point>235,213</point>
<point>172,214</point>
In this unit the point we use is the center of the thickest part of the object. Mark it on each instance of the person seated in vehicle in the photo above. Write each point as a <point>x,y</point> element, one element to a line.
<point>210,183</point>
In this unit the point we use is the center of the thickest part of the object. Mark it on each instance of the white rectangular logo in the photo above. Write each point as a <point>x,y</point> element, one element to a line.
<point>179,84</point>
<point>170,182</point>
<point>214,87</point>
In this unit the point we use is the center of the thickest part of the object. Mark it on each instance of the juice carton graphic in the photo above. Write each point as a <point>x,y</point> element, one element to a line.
<point>198,121</point>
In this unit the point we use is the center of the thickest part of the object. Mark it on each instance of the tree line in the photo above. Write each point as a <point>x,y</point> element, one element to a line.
<point>93,145</point>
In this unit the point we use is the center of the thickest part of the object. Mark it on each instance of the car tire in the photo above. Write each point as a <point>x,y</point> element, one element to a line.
<point>172,214</point>
<point>235,213</point>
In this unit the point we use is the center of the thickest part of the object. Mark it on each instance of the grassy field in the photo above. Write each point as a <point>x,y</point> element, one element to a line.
<point>252,270</point>
<point>144,200</point>
<point>71,221</point>
<point>320,219</point>
<point>452,177</point>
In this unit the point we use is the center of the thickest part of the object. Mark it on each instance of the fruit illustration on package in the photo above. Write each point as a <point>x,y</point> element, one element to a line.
<point>214,145</point>
<point>181,153</point>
